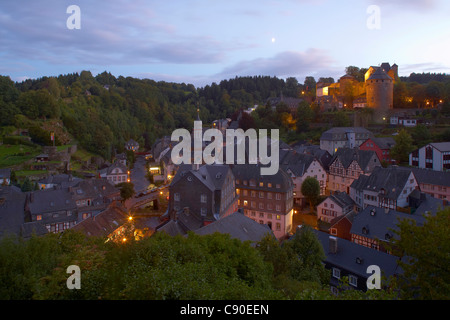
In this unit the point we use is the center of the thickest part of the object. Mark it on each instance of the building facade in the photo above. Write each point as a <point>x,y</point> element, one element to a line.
<point>266,199</point>
<point>434,156</point>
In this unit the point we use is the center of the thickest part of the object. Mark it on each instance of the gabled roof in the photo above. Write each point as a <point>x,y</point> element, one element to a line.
<point>391,179</point>
<point>349,216</point>
<point>212,176</point>
<point>346,156</point>
<point>238,226</point>
<point>379,222</point>
<point>356,258</point>
<point>50,200</point>
<point>297,163</point>
<point>93,189</point>
<point>384,142</point>
<point>428,176</point>
<point>329,134</point>
<point>252,172</point>
<point>441,146</point>
<point>104,223</point>
<point>342,199</point>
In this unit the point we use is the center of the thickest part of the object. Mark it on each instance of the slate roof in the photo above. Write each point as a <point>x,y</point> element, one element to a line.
<point>238,226</point>
<point>378,222</point>
<point>50,200</point>
<point>321,155</point>
<point>348,254</point>
<point>423,203</point>
<point>33,228</point>
<point>252,171</point>
<point>379,74</point>
<point>342,199</point>
<point>297,163</point>
<point>428,176</point>
<point>104,223</point>
<point>63,180</point>
<point>12,204</point>
<point>185,221</point>
<point>115,165</point>
<point>329,134</point>
<point>384,142</point>
<point>212,176</point>
<point>347,155</point>
<point>441,146</point>
<point>93,189</point>
<point>391,179</point>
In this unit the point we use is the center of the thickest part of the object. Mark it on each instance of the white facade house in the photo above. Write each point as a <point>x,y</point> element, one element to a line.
<point>435,156</point>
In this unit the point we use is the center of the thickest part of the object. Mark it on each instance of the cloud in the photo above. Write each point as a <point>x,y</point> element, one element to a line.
<point>284,64</point>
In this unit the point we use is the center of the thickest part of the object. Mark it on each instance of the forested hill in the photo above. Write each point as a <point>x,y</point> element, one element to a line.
<point>104,111</point>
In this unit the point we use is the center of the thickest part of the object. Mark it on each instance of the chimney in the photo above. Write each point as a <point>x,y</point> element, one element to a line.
<point>332,244</point>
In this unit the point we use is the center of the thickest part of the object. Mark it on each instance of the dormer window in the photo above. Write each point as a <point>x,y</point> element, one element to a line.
<point>365,230</point>
<point>359,260</point>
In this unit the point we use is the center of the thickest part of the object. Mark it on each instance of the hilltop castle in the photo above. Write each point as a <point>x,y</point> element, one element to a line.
<point>376,91</point>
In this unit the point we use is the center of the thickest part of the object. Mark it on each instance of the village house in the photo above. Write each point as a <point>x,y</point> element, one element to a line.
<point>115,174</point>
<point>300,166</point>
<point>113,223</point>
<point>132,145</point>
<point>335,205</point>
<point>434,183</point>
<point>267,199</point>
<point>381,146</point>
<point>435,156</point>
<point>374,227</point>
<point>92,196</point>
<point>343,137</point>
<point>340,226</point>
<point>348,165</point>
<point>54,208</point>
<point>199,196</point>
<point>58,180</point>
<point>384,188</point>
<point>347,259</point>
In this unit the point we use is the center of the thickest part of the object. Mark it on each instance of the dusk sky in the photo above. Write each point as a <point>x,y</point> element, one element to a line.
<point>205,41</point>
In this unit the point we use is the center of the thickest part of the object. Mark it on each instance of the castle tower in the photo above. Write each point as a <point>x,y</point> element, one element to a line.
<point>380,93</point>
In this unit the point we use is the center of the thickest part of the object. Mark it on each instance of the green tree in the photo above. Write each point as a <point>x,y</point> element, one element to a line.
<point>311,190</point>
<point>403,146</point>
<point>305,115</point>
<point>425,248</point>
<point>126,190</point>
<point>306,256</point>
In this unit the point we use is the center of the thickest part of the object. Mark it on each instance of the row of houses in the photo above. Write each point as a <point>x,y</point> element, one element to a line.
<point>60,204</point>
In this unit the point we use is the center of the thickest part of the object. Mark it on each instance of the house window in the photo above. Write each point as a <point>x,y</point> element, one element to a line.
<point>261,184</point>
<point>261,214</point>
<point>269,195</point>
<point>203,198</point>
<point>269,185</point>
<point>39,217</point>
<point>353,280</point>
<point>278,217</point>
<point>261,194</point>
<point>245,202</point>
<point>261,205</point>
<point>278,226</point>
<point>177,196</point>
<point>333,231</point>
<point>203,212</point>
<point>278,207</point>
<point>336,273</point>
<point>278,196</point>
